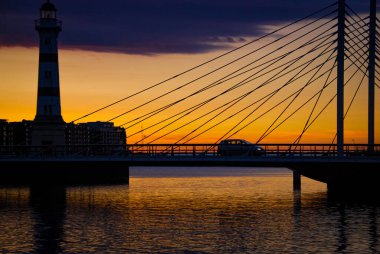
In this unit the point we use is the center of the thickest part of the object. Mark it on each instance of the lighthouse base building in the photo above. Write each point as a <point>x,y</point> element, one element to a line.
<point>48,138</point>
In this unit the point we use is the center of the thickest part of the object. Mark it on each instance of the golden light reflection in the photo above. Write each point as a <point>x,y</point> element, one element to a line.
<point>197,213</point>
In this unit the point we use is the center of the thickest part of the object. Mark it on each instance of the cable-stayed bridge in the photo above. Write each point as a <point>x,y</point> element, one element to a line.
<point>299,83</point>
<point>284,80</point>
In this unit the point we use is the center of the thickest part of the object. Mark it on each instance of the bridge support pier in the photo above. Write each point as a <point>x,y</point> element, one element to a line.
<point>64,172</point>
<point>296,180</point>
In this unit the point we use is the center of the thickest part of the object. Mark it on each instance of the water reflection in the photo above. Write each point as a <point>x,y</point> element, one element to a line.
<point>357,221</point>
<point>374,242</point>
<point>16,222</point>
<point>48,205</point>
<point>297,202</point>
<point>342,229</point>
<point>186,215</point>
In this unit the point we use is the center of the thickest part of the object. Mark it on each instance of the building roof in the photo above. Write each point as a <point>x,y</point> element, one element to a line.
<point>48,7</point>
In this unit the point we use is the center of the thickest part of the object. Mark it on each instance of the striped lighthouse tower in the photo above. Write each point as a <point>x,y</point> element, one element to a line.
<point>48,123</point>
<point>48,102</point>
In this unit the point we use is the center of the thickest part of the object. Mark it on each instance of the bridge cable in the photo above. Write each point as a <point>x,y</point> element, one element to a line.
<point>293,94</point>
<point>303,35</point>
<point>299,137</point>
<point>317,93</point>
<point>271,95</point>
<point>291,102</point>
<point>361,57</point>
<point>268,81</point>
<point>245,81</point>
<point>355,33</point>
<point>306,125</point>
<point>317,116</point>
<point>218,69</point>
<point>314,106</point>
<point>310,100</point>
<point>377,26</point>
<point>247,116</point>
<point>196,107</point>
<point>240,98</point>
<point>266,97</point>
<point>205,63</point>
<point>227,78</point>
<point>351,102</point>
<point>230,89</point>
<point>283,121</point>
<point>377,52</point>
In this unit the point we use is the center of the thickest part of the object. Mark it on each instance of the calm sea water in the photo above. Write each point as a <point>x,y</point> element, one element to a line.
<point>187,210</point>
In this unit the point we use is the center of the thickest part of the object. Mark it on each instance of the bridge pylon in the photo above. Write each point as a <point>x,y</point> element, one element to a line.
<point>340,75</point>
<point>371,74</point>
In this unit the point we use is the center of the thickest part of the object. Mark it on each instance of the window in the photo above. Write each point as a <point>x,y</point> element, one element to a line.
<point>48,14</point>
<point>50,109</point>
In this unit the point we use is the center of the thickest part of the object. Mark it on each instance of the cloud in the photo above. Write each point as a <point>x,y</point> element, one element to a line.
<point>153,27</point>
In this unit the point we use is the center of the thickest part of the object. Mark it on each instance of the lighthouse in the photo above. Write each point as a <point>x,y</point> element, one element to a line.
<point>48,100</point>
<point>48,122</point>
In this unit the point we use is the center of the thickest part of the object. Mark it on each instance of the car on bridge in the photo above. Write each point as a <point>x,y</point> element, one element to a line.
<point>239,147</point>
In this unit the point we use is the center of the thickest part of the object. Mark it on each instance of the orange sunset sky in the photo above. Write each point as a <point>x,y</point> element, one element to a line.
<point>90,80</point>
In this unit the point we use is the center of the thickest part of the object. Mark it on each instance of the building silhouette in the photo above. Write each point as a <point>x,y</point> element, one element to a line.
<point>101,138</point>
<point>6,135</point>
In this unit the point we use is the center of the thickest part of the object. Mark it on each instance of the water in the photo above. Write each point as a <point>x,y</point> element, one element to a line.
<point>201,210</point>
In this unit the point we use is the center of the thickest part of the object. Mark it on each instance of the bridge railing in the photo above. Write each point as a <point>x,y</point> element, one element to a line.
<point>189,150</point>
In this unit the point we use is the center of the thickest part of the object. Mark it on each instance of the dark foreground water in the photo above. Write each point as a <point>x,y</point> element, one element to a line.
<point>203,210</point>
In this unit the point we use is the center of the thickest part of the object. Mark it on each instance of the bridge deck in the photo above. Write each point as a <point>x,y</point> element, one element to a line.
<point>319,162</point>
